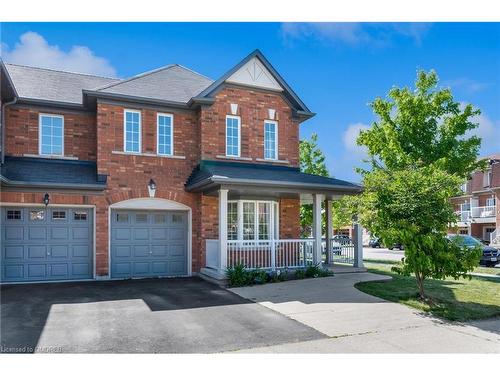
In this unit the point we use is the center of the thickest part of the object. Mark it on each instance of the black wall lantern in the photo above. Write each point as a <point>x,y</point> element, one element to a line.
<point>152,188</point>
<point>46,199</point>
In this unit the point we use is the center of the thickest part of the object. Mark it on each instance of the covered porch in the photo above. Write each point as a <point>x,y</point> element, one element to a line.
<point>249,212</point>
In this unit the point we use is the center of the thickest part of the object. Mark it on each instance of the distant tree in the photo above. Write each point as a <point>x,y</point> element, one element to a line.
<point>312,161</point>
<point>419,152</point>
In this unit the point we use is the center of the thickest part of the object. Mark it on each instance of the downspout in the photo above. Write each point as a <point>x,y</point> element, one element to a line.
<point>2,127</point>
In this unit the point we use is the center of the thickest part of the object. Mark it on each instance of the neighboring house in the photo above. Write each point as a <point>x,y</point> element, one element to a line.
<point>477,208</point>
<point>167,173</point>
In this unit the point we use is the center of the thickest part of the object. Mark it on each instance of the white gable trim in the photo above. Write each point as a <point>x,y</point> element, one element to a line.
<point>254,74</point>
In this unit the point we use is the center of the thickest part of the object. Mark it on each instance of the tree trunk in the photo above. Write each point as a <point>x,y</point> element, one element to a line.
<point>420,283</point>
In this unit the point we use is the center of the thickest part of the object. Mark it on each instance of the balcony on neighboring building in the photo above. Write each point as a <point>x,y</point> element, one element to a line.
<point>483,212</point>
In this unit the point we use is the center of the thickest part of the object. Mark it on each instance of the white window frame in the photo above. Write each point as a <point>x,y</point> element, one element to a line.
<point>273,219</point>
<point>275,140</point>
<point>171,133</point>
<point>125,111</point>
<point>40,115</point>
<point>490,199</point>
<point>239,135</point>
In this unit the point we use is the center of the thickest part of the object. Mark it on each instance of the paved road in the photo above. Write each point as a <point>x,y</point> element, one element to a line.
<point>150,316</point>
<point>356,322</point>
<point>382,254</point>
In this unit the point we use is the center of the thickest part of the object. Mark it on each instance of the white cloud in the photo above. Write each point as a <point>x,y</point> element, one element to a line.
<point>34,50</point>
<point>489,132</point>
<point>352,33</point>
<point>468,85</point>
<point>351,135</point>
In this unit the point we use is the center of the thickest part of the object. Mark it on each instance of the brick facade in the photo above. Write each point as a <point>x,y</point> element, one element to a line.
<point>198,134</point>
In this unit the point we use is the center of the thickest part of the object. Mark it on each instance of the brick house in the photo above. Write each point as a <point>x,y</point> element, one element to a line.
<point>167,173</point>
<point>477,207</point>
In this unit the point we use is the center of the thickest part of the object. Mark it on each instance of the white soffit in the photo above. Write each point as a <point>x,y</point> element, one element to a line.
<point>254,73</point>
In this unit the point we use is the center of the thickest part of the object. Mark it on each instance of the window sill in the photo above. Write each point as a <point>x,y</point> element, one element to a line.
<point>273,161</point>
<point>50,157</point>
<point>148,155</point>
<point>233,157</point>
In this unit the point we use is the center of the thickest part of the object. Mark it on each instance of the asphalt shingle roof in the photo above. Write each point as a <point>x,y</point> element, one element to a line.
<point>53,85</point>
<point>173,83</point>
<point>41,171</point>
<point>209,170</point>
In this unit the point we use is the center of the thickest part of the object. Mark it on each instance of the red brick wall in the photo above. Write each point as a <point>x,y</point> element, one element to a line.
<point>128,175</point>
<point>253,108</point>
<point>289,218</point>
<point>21,132</point>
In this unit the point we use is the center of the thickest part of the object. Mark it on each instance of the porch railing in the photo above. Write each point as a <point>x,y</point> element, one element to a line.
<point>484,211</point>
<point>341,250</point>
<point>270,254</point>
<point>495,237</point>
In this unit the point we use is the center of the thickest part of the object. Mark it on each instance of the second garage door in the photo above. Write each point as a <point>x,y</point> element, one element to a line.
<point>148,243</point>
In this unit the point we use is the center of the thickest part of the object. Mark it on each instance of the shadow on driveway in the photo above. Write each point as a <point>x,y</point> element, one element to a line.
<point>153,315</point>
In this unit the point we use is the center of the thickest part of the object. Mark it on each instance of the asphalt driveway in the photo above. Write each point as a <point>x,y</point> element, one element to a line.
<point>157,315</point>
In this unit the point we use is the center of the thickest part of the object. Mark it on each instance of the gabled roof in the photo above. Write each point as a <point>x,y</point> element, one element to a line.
<point>40,84</point>
<point>296,102</point>
<point>38,172</point>
<point>210,173</point>
<point>171,83</point>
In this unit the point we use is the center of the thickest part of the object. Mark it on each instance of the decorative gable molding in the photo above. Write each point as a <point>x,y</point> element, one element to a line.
<point>255,74</point>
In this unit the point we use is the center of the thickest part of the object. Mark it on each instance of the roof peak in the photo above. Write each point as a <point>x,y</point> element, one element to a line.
<point>60,71</point>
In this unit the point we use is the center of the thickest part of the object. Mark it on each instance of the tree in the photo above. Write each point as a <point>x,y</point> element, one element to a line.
<point>419,153</point>
<point>312,161</point>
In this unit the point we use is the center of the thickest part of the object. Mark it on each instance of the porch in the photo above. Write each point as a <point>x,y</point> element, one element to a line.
<point>249,212</point>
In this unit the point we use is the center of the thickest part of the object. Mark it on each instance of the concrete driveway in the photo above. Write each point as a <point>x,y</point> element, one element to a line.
<point>356,322</point>
<point>162,315</point>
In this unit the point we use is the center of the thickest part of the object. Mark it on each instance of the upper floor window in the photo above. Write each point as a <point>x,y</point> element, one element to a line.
<point>463,187</point>
<point>165,133</point>
<point>270,140</point>
<point>132,130</point>
<point>490,202</point>
<point>487,178</point>
<point>51,135</point>
<point>233,136</point>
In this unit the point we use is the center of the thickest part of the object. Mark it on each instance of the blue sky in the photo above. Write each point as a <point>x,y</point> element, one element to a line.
<point>337,69</point>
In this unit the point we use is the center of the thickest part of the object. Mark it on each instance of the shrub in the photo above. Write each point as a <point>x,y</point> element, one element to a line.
<point>316,271</point>
<point>238,275</point>
<point>300,274</point>
<point>259,276</point>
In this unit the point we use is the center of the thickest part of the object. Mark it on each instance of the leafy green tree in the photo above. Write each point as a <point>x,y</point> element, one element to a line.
<point>419,153</point>
<point>312,161</point>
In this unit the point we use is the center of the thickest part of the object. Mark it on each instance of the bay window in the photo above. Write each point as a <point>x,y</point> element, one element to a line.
<point>252,220</point>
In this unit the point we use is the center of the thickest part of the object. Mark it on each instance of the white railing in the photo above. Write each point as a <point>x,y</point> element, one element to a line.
<point>463,215</point>
<point>484,211</point>
<point>270,254</point>
<point>341,250</point>
<point>495,237</point>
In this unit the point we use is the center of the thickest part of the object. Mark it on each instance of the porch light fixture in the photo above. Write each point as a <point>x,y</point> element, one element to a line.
<point>152,188</point>
<point>46,199</point>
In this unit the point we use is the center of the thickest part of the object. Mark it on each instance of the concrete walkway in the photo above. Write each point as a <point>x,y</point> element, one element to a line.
<point>356,322</point>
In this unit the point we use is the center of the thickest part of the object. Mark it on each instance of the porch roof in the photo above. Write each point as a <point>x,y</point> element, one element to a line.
<point>210,175</point>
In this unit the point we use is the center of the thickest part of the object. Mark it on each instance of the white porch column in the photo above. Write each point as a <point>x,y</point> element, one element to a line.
<point>329,230</point>
<point>358,244</point>
<point>317,199</point>
<point>223,229</point>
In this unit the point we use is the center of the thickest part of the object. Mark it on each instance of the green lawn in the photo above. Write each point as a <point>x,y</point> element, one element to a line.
<point>460,300</point>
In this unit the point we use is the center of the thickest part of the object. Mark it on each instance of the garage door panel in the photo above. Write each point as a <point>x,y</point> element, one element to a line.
<point>122,234</point>
<point>13,271</point>
<point>37,271</point>
<point>157,241</point>
<point>59,270</point>
<point>141,251</point>
<point>13,252</point>
<point>141,268</point>
<point>141,234</point>
<point>37,233</point>
<point>14,233</point>
<point>122,251</point>
<point>59,251</point>
<point>37,252</point>
<point>159,234</point>
<point>41,244</point>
